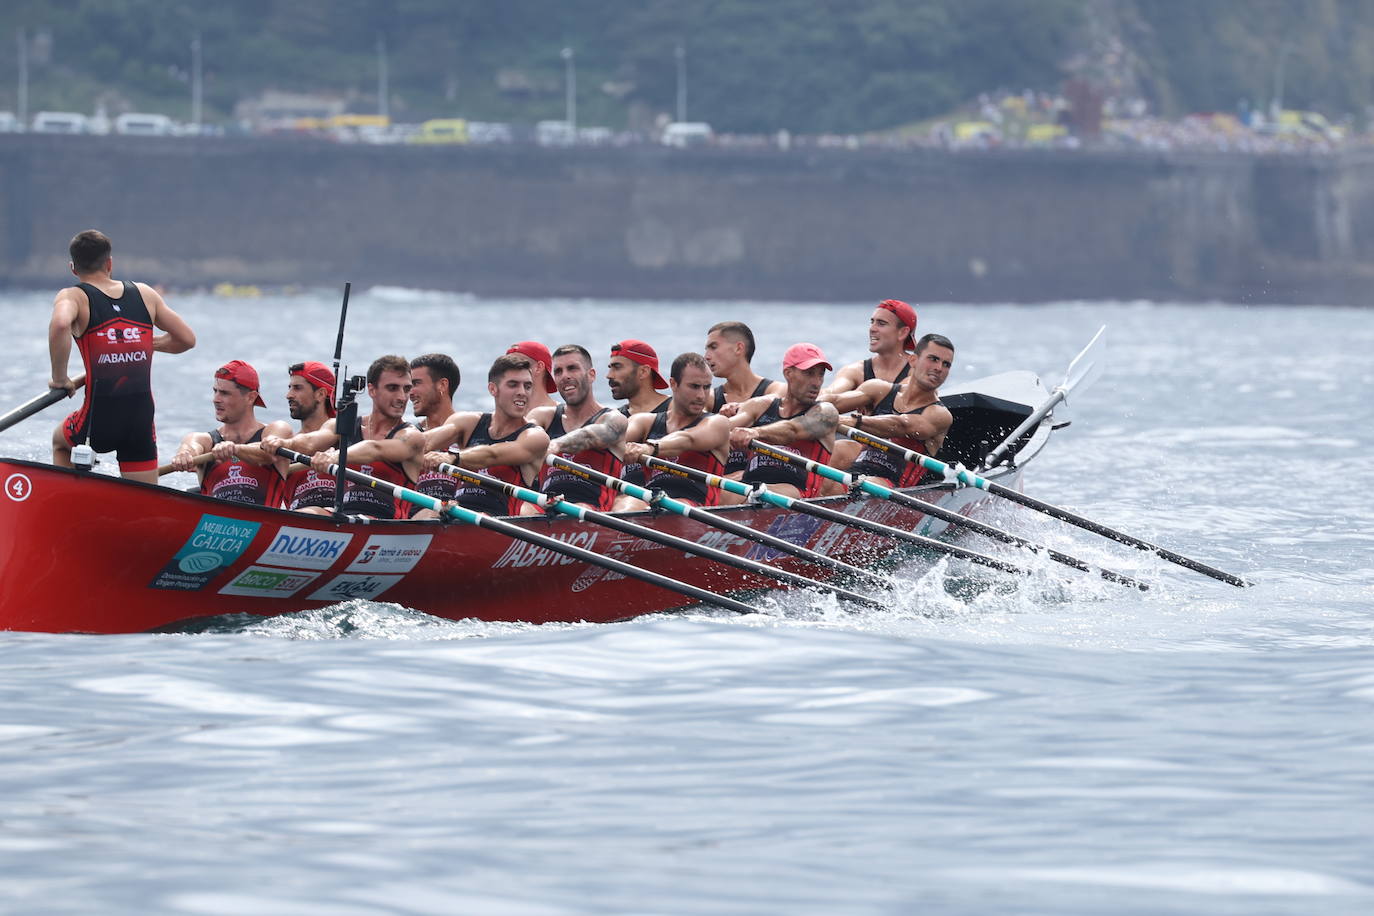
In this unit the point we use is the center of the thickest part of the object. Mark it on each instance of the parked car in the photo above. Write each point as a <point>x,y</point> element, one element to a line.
<point>138,124</point>
<point>554,133</point>
<point>442,130</point>
<point>687,133</point>
<point>59,122</point>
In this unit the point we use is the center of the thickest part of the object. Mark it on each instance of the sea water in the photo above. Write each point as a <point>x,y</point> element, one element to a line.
<point>983,744</point>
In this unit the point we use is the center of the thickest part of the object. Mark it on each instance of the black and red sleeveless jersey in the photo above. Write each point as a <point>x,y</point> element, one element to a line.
<point>875,462</point>
<point>738,459</point>
<point>117,345</point>
<point>310,489</point>
<point>558,482</point>
<point>634,473</point>
<point>767,469</point>
<point>870,374</point>
<point>693,491</point>
<point>435,484</point>
<point>238,481</point>
<point>480,499</point>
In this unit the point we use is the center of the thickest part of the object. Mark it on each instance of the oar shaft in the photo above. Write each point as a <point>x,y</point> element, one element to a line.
<point>825,470</point>
<point>720,556</point>
<point>715,521</point>
<point>520,534</point>
<point>36,404</point>
<point>200,460</point>
<point>968,478</point>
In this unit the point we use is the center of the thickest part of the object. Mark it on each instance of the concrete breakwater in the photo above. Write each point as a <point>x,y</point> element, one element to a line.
<point>658,223</point>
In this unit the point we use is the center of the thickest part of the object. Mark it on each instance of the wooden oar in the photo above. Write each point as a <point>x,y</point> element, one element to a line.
<point>954,518</point>
<point>833,515</point>
<point>34,405</point>
<point>711,519</point>
<point>968,478</point>
<point>582,513</point>
<point>482,520</point>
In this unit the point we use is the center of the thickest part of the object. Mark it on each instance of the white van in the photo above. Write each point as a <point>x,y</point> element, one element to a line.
<point>59,122</point>
<point>138,124</point>
<point>554,133</point>
<point>687,133</point>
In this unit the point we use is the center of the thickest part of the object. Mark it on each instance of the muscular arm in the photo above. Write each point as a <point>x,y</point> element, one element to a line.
<point>306,443</point>
<point>253,452</point>
<point>846,379</point>
<point>711,434</point>
<point>528,448</point>
<point>66,308</point>
<point>816,425</point>
<point>860,398</point>
<point>179,337</point>
<point>606,434</point>
<point>406,445</point>
<point>930,426</point>
<point>750,410</point>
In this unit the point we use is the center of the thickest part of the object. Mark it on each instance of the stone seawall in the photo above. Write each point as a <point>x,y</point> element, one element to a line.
<point>659,223</point>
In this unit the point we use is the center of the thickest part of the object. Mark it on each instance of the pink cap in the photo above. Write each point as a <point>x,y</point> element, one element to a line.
<point>242,374</point>
<point>637,351</point>
<point>804,356</point>
<point>907,316</point>
<point>540,354</point>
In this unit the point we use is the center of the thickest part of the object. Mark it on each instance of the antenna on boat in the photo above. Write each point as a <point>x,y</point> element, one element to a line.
<point>346,413</point>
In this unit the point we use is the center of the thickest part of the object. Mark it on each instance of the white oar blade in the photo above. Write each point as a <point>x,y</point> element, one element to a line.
<point>1087,366</point>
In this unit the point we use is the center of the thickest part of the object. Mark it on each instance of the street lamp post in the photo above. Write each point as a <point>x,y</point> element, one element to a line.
<point>23,99</point>
<point>383,78</point>
<point>570,84</point>
<point>195,83</point>
<point>681,54</point>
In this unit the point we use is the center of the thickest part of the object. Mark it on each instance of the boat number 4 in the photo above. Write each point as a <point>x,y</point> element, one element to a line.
<point>18,487</point>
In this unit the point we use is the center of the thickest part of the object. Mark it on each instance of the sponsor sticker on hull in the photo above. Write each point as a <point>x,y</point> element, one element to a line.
<point>212,547</point>
<point>346,587</point>
<point>18,487</point>
<point>266,582</point>
<point>302,548</point>
<point>390,553</point>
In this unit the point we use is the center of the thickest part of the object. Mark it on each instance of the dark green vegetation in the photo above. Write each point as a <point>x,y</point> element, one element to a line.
<point>753,65</point>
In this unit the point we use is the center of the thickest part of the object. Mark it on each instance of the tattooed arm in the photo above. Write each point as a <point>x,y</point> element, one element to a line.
<point>609,433</point>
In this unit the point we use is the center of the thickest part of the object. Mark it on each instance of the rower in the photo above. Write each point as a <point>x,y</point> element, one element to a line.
<point>890,336</point>
<point>310,401</point>
<point>434,379</point>
<point>797,419</point>
<point>581,430</point>
<point>541,364</point>
<point>240,471</point>
<point>383,445</point>
<point>633,376</point>
<point>684,433</point>
<point>908,413</point>
<point>112,322</point>
<point>729,351</point>
<point>503,443</point>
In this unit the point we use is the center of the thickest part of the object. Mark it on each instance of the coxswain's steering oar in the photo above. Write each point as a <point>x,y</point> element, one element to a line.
<point>481,520</point>
<point>34,405</point>
<point>963,521</point>
<point>1084,370</point>
<point>840,518</point>
<point>968,478</point>
<point>711,519</point>
<point>582,513</point>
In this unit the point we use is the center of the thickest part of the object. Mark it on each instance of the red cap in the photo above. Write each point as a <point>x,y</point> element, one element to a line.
<point>906,315</point>
<point>637,351</point>
<point>540,354</point>
<point>240,373</point>
<point>319,376</point>
<point>804,356</point>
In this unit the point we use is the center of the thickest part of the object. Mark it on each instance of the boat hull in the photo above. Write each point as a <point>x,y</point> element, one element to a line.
<point>83,552</point>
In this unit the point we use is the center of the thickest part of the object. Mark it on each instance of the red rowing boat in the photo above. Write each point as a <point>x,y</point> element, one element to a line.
<point>82,552</point>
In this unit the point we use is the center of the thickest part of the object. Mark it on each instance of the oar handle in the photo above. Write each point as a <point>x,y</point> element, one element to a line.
<point>199,461</point>
<point>38,403</point>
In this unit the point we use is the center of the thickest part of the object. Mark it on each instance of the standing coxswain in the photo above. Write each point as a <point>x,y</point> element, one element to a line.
<point>383,445</point>
<point>112,323</point>
<point>684,433</point>
<point>503,443</point>
<point>797,420</point>
<point>240,471</point>
<point>580,430</point>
